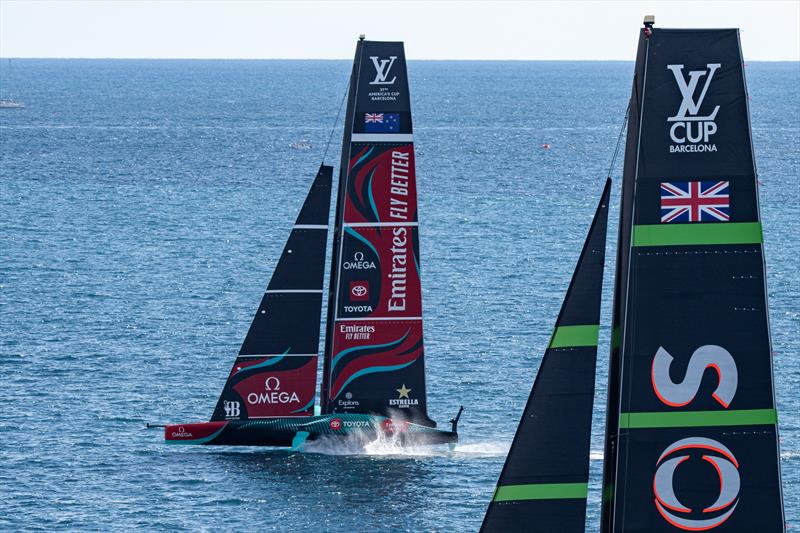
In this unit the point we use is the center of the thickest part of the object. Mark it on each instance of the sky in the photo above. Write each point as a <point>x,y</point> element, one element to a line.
<point>449,29</point>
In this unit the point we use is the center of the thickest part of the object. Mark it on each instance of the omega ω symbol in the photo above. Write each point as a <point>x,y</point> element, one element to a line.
<point>272,384</point>
<point>667,503</point>
<point>358,256</point>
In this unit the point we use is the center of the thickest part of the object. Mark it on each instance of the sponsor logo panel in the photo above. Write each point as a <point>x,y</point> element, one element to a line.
<point>192,431</point>
<point>384,86</point>
<point>385,279</point>
<point>362,349</point>
<point>277,392</point>
<point>404,398</point>
<point>359,291</point>
<point>702,479</point>
<point>692,127</point>
<point>382,184</point>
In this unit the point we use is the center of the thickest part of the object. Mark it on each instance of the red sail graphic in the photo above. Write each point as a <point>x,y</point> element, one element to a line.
<point>374,348</point>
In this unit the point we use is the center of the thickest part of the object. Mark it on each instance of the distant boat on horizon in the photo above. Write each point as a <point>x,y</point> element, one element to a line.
<point>11,104</point>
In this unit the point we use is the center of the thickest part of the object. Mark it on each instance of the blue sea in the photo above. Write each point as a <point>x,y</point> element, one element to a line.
<point>143,206</point>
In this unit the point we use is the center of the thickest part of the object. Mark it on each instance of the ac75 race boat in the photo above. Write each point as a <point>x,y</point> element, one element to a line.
<point>373,381</point>
<point>691,428</point>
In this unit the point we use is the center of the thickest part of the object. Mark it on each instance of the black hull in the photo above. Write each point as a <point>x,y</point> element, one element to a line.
<point>351,429</point>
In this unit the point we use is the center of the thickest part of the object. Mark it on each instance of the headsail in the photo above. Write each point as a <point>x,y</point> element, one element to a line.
<point>543,485</point>
<point>374,349</point>
<point>692,434</point>
<point>276,371</point>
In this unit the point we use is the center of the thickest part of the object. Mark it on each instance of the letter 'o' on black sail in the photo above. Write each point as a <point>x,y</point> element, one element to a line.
<point>543,485</point>
<point>275,372</point>
<point>691,441</point>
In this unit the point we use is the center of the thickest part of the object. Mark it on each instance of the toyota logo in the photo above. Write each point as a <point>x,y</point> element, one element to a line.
<point>359,290</point>
<point>667,501</point>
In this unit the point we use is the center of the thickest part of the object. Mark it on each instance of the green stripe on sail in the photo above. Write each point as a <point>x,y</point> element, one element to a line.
<point>615,333</point>
<point>541,491</point>
<point>742,417</point>
<point>697,234</point>
<point>608,493</point>
<point>568,336</point>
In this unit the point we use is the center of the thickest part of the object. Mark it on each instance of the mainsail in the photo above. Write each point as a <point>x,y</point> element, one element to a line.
<point>374,350</point>
<point>692,431</point>
<point>543,485</point>
<point>276,371</point>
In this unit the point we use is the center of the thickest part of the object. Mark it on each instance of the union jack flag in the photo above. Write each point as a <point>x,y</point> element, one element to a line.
<point>373,117</point>
<point>695,201</point>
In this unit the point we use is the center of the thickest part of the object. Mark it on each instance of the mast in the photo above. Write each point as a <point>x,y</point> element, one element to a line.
<point>337,228</point>
<point>692,439</point>
<point>544,482</point>
<point>374,355</point>
<point>275,373</point>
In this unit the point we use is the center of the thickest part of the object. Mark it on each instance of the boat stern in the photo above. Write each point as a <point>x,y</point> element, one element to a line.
<point>195,433</point>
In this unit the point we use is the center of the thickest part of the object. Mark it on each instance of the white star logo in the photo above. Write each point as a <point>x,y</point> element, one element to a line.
<point>403,391</point>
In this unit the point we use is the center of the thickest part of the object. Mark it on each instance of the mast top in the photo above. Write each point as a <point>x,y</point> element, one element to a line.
<point>649,20</point>
<point>362,37</point>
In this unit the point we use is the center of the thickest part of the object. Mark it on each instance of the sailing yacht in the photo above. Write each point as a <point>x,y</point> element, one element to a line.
<point>691,429</point>
<point>373,380</point>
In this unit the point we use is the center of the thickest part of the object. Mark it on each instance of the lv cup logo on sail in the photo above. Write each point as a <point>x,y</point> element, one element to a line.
<point>690,130</point>
<point>382,69</point>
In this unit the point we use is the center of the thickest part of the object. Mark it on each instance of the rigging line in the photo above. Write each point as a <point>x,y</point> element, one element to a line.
<point>335,122</point>
<point>619,139</point>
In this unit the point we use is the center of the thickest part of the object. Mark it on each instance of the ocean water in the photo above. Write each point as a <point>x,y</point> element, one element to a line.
<point>143,205</point>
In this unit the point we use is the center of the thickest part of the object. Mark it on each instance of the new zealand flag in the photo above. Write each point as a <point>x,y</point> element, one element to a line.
<point>381,122</point>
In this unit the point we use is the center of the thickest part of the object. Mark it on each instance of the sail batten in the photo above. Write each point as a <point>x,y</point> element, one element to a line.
<point>544,483</point>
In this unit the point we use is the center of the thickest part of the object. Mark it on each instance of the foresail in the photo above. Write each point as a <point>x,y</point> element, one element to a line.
<point>543,485</point>
<point>692,443</point>
<point>275,372</point>
<point>374,347</point>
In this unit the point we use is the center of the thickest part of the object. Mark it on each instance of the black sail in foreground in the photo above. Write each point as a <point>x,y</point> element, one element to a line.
<point>543,485</point>
<point>276,370</point>
<point>692,438</point>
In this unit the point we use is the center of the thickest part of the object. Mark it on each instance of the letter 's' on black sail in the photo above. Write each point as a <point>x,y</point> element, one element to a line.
<point>282,344</point>
<point>543,485</point>
<point>692,431</point>
<point>374,354</point>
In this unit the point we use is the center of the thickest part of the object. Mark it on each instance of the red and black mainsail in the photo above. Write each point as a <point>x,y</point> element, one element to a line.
<point>374,354</point>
